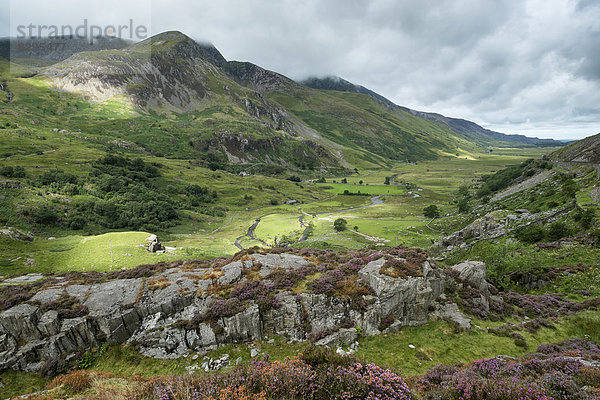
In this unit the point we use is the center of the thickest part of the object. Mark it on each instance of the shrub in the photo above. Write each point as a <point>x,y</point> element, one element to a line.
<point>367,381</point>
<point>431,211</point>
<point>238,393</point>
<point>587,219</point>
<point>76,222</point>
<point>12,172</point>
<point>588,376</point>
<point>557,230</point>
<point>386,322</point>
<point>340,224</point>
<point>530,234</point>
<point>463,205</point>
<point>57,176</point>
<point>223,309</point>
<point>66,306</point>
<point>409,265</point>
<point>45,215</point>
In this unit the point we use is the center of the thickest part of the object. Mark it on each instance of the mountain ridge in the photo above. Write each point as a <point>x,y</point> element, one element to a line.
<point>468,129</point>
<point>170,73</point>
<point>585,151</point>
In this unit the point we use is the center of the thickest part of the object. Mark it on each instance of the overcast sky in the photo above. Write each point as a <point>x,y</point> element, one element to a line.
<point>530,67</point>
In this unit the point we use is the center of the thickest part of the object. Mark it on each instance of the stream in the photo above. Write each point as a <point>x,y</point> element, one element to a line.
<point>375,200</point>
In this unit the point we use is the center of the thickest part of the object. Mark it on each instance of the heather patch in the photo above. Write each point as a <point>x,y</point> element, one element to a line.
<point>556,372</point>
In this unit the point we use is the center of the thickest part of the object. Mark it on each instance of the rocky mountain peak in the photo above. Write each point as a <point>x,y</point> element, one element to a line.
<point>251,75</point>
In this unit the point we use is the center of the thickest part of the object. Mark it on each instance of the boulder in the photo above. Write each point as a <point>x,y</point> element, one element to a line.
<point>450,312</point>
<point>343,337</point>
<point>473,272</point>
<point>154,245</point>
<point>231,273</point>
<point>49,324</point>
<point>408,300</point>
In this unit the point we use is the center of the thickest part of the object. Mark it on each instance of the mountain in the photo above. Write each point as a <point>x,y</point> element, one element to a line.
<point>342,85</point>
<point>143,73</point>
<point>242,114</point>
<point>583,151</point>
<point>466,129</point>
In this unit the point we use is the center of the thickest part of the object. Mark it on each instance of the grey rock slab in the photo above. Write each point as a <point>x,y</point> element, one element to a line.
<point>272,261</point>
<point>450,312</point>
<point>47,295</point>
<point>232,272</point>
<point>473,272</point>
<point>345,336</point>
<point>108,297</point>
<point>24,279</point>
<point>21,321</point>
<point>49,324</point>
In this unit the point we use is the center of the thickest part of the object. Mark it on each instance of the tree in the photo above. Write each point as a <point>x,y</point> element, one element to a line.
<point>431,211</point>
<point>387,180</point>
<point>340,224</point>
<point>463,191</point>
<point>463,205</point>
<point>344,180</point>
<point>360,182</point>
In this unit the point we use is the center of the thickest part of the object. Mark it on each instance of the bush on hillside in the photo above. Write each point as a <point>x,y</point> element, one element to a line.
<point>530,234</point>
<point>431,211</point>
<point>13,172</point>
<point>340,224</point>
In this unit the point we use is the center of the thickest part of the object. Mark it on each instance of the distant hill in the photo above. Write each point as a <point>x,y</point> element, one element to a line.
<point>467,129</point>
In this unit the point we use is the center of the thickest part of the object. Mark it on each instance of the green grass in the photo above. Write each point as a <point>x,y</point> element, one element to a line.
<point>399,217</point>
<point>78,253</point>
<point>50,129</point>
<point>443,345</point>
<point>274,227</point>
<point>373,190</point>
<point>503,258</point>
<point>18,383</point>
<point>124,360</point>
<point>588,280</point>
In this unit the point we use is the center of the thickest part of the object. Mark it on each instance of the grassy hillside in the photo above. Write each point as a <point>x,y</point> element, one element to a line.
<point>583,151</point>
<point>228,103</point>
<point>363,125</point>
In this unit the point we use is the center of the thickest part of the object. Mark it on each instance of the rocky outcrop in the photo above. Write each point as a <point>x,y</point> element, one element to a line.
<point>497,224</point>
<point>168,314</point>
